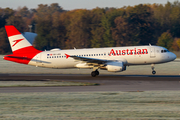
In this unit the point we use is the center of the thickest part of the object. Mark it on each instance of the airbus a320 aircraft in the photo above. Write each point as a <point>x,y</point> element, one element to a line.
<point>112,59</point>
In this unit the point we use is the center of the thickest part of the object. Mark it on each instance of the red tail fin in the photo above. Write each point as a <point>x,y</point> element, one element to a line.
<point>22,50</point>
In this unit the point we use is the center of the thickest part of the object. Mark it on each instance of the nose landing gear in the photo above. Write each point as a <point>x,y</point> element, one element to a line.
<point>153,71</point>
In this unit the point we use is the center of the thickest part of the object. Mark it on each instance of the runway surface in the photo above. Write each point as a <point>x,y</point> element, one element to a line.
<point>130,83</point>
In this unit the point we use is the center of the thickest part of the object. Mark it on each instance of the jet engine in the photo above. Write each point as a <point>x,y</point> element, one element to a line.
<point>115,66</point>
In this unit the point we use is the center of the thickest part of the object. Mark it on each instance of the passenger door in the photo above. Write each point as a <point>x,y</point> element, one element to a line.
<point>152,52</point>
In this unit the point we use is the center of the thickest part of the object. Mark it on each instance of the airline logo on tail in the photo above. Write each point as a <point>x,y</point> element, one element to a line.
<point>16,42</point>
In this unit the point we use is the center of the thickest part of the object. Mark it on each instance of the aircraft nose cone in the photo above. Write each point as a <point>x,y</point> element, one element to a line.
<point>173,56</point>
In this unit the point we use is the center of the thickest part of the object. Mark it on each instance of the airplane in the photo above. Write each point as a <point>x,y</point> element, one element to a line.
<point>112,59</point>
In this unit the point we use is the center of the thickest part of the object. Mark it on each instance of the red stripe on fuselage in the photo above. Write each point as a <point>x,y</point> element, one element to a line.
<point>23,55</point>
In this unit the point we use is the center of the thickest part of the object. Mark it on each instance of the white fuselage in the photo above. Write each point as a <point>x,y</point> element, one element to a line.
<point>134,55</point>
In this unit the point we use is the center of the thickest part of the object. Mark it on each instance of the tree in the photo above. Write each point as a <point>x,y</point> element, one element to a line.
<point>165,40</point>
<point>48,26</point>
<point>5,14</point>
<point>121,32</point>
<point>78,30</point>
<point>176,44</point>
<point>168,16</point>
<point>18,22</point>
<point>175,17</point>
<point>23,12</point>
<point>43,40</point>
<point>58,31</point>
<point>4,43</point>
<point>97,30</point>
<point>107,23</point>
<point>141,25</point>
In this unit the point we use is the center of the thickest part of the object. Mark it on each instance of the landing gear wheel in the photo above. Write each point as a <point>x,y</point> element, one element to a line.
<point>93,73</point>
<point>153,72</point>
<point>97,72</point>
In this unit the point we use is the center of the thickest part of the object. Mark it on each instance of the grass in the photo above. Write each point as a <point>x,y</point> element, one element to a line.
<point>89,105</point>
<point>42,83</point>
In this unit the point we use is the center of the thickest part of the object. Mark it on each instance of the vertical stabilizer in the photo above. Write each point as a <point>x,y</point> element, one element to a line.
<point>22,50</point>
<point>16,39</point>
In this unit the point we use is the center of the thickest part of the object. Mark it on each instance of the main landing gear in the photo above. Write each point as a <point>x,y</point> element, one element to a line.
<point>153,71</point>
<point>95,73</point>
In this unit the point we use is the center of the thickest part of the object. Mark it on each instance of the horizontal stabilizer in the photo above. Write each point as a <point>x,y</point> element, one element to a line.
<point>26,58</point>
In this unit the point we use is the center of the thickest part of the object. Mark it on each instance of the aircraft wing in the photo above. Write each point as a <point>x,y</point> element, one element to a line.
<point>110,65</point>
<point>90,60</point>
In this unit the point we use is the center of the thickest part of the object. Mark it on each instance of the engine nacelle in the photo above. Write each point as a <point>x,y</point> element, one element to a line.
<point>115,67</point>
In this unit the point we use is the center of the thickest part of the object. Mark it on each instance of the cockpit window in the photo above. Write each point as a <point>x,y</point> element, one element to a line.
<point>164,51</point>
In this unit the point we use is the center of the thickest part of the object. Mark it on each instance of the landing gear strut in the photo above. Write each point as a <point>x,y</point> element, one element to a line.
<point>153,71</point>
<point>94,73</point>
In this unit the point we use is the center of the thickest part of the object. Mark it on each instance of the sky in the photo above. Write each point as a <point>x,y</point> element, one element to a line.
<point>77,4</point>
